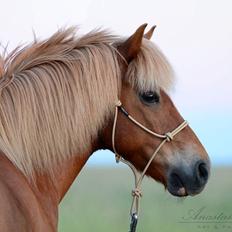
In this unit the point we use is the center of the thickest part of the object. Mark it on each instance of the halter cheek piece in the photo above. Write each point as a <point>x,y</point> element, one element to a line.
<point>137,192</point>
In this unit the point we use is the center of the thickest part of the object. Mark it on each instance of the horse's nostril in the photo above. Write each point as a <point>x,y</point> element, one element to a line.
<point>202,171</point>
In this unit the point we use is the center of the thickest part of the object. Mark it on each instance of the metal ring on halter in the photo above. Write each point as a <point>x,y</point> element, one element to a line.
<point>137,193</point>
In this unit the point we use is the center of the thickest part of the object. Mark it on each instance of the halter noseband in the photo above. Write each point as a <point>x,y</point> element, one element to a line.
<point>137,192</point>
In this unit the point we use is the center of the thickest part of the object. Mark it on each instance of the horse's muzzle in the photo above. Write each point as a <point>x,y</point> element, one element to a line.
<point>188,180</point>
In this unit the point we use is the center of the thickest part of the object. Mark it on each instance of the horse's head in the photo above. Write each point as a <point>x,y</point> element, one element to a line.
<point>182,165</point>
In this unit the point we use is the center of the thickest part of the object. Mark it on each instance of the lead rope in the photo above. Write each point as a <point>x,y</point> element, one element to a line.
<point>137,192</point>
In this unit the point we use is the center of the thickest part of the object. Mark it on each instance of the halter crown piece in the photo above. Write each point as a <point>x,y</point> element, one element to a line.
<point>137,192</point>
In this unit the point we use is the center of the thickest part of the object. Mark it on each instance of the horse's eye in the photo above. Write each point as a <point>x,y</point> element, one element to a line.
<point>150,97</point>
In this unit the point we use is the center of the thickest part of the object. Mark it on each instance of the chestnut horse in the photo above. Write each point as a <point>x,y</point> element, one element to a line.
<point>57,107</point>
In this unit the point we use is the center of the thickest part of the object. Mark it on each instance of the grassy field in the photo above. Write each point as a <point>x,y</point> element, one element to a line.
<point>100,200</point>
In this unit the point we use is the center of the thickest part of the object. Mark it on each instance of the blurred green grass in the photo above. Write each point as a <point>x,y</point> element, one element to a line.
<point>100,200</point>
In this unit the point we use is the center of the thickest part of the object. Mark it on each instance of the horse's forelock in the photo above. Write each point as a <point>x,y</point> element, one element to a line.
<point>150,70</point>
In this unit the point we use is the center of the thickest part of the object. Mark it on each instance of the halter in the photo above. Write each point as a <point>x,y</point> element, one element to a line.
<point>137,192</point>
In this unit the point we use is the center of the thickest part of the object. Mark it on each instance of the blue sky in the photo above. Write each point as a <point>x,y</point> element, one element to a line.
<point>195,35</point>
<point>214,129</point>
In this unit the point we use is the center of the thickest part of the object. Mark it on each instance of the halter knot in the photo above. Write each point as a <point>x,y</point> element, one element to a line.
<point>169,136</point>
<point>137,193</point>
<point>118,103</point>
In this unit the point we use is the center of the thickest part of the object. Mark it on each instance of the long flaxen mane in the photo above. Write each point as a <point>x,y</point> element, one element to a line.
<point>56,94</point>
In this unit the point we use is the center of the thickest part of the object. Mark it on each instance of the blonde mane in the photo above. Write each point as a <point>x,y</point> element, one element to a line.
<point>56,94</point>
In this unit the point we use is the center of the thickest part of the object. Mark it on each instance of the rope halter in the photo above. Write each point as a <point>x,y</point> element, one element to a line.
<point>137,192</point>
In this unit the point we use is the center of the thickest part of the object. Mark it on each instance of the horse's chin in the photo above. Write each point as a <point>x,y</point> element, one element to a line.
<point>174,190</point>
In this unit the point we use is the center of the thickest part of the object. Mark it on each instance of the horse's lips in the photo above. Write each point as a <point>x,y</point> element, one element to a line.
<point>181,192</point>
<point>176,187</point>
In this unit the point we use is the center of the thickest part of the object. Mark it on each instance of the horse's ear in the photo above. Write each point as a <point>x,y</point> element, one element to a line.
<point>130,48</point>
<point>149,34</point>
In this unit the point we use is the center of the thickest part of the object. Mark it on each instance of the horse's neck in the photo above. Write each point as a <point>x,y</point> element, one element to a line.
<point>36,203</point>
<point>53,188</point>
<point>68,172</point>
<point>49,191</point>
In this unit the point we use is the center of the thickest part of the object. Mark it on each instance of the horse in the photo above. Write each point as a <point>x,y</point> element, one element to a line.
<point>57,106</point>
